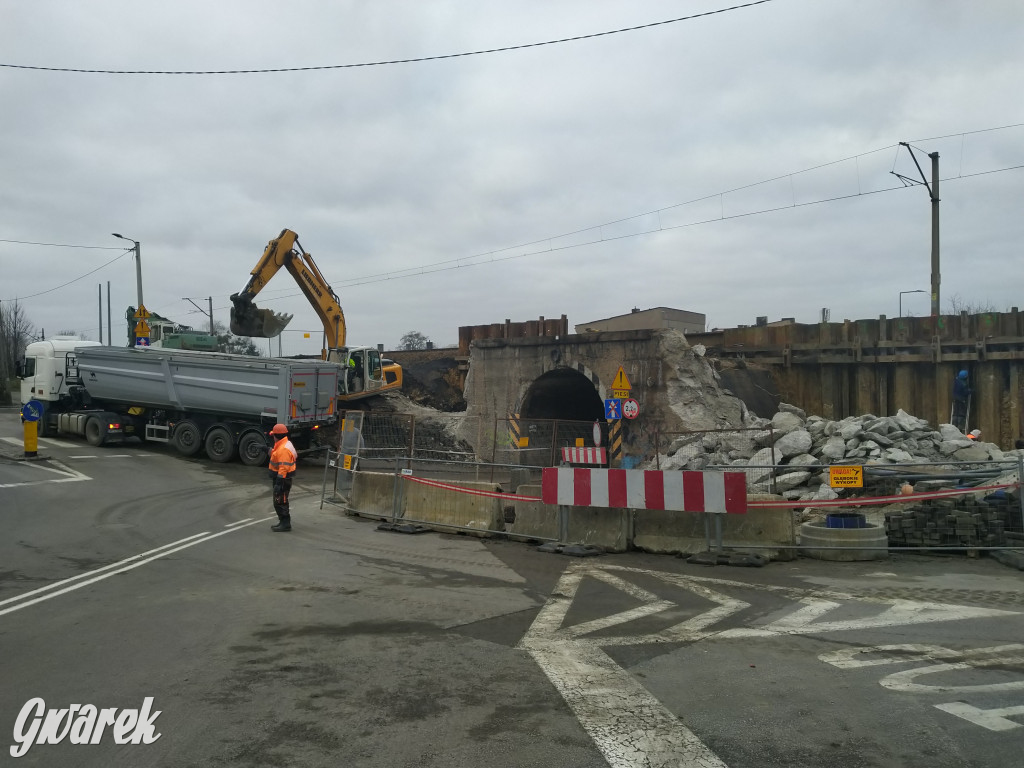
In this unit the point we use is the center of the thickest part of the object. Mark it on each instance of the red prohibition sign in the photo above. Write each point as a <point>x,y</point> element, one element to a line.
<point>630,408</point>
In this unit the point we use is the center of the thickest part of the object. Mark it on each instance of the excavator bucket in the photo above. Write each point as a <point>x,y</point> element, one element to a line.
<point>249,320</point>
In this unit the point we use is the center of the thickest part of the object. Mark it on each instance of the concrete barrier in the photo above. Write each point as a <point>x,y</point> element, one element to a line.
<point>771,531</point>
<point>534,518</point>
<point>605,528</point>
<point>372,494</point>
<point>445,507</point>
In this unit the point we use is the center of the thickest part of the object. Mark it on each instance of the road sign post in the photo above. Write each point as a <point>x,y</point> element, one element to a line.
<point>31,413</point>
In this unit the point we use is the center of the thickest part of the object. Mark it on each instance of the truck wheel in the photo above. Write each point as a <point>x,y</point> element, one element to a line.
<point>220,445</point>
<point>252,449</point>
<point>95,432</point>
<point>187,438</point>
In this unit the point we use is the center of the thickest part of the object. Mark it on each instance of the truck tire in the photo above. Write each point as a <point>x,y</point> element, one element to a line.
<point>95,431</point>
<point>220,444</point>
<point>252,449</point>
<point>188,440</point>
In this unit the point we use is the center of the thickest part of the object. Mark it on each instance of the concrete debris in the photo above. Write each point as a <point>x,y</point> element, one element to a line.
<point>802,442</point>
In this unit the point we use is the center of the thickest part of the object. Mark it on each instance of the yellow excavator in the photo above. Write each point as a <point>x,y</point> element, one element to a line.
<point>365,373</point>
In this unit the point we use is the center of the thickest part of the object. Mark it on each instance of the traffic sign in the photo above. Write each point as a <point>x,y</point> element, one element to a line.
<point>32,411</point>
<point>597,433</point>
<point>613,408</point>
<point>621,380</point>
<point>142,328</point>
<point>142,313</point>
<point>630,408</point>
<point>142,341</point>
<point>846,477</point>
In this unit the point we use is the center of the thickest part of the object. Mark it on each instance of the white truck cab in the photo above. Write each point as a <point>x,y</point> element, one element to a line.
<point>48,365</point>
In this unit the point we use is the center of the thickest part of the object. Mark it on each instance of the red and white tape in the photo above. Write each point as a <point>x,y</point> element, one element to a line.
<point>871,500</point>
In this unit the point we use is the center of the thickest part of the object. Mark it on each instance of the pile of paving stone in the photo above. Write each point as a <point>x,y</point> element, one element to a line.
<point>957,522</point>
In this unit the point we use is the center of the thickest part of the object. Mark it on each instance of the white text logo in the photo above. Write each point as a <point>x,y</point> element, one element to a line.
<point>82,724</point>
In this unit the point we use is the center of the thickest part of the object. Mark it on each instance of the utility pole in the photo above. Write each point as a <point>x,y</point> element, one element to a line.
<point>209,299</point>
<point>138,265</point>
<point>110,327</point>
<point>100,287</point>
<point>933,193</point>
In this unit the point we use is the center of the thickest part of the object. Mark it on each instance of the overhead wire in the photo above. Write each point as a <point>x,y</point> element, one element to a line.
<point>415,60</point>
<point>69,282</point>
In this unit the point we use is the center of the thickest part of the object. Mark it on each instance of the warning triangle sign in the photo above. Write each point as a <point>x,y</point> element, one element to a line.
<point>621,380</point>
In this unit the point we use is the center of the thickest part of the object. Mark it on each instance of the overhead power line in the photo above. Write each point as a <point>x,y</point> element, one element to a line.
<point>503,49</point>
<point>69,282</point>
<point>66,245</point>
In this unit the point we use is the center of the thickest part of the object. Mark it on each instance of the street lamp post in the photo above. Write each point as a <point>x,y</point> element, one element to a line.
<point>138,263</point>
<point>919,290</point>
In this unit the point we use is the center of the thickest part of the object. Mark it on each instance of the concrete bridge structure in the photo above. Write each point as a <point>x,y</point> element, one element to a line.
<point>834,370</point>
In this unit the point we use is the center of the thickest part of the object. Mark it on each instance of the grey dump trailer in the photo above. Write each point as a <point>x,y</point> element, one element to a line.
<point>225,404</point>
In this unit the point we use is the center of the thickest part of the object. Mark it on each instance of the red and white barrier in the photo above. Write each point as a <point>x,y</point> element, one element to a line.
<point>678,491</point>
<point>585,455</point>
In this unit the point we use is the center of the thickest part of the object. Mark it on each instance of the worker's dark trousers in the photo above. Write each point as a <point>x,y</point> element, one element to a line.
<point>282,487</point>
<point>960,414</point>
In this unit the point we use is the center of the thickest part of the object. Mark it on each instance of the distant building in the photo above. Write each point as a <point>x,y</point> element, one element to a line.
<point>642,319</point>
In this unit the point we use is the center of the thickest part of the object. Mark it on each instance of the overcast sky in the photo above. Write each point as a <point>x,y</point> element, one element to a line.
<point>577,159</point>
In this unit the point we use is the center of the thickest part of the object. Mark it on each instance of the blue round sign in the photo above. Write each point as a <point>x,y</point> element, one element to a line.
<point>32,411</point>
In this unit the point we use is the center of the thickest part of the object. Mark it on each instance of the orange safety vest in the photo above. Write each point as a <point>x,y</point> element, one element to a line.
<point>283,458</point>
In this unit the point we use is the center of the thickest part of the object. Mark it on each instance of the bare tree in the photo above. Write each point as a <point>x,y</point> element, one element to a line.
<point>15,333</point>
<point>958,304</point>
<point>413,340</point>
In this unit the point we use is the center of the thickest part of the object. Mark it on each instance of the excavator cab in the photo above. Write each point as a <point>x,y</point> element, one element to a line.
<point>363,369</point>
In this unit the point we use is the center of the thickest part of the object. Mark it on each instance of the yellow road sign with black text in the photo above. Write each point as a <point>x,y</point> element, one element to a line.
<point>846,477</point>
<point>621,385</point>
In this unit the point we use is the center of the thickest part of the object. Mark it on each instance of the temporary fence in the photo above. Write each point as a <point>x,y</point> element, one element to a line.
<point>386,436</point>
<point>924,505</point>
<point>913,506</point>
<point>538,442</point>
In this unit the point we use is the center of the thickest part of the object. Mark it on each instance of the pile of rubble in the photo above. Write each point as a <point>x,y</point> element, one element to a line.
<point>789,454</point>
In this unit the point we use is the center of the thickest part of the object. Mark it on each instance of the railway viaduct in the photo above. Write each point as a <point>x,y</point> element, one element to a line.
<point>536,370</point>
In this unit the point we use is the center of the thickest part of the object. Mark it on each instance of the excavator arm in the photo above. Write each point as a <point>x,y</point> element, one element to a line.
<point>285,251</point>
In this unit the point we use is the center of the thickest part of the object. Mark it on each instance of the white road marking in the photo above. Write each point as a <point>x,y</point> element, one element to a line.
<point>49,441</point>
<point>122,566</point>
<point>632,728</point>
<point>64,475</point>
<point>237,522</point>
<point>993,719</point>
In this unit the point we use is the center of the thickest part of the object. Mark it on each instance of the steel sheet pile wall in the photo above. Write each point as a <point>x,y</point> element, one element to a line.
<point>836,370</point>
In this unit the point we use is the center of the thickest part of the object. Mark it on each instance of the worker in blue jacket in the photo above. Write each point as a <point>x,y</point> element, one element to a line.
<point>961,399</point>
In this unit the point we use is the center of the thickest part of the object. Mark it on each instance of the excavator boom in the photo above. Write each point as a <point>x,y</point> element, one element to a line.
<point>365,373</point>
<point>285,251</point>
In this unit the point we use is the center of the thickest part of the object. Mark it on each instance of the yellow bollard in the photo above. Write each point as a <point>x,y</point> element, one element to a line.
<point>31,438</point>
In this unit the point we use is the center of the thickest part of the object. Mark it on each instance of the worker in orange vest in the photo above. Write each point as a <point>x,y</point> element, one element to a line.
<point>282,467</point>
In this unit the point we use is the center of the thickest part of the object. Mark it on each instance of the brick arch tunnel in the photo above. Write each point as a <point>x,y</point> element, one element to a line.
<point>563,393</point>
<point>559,408</point>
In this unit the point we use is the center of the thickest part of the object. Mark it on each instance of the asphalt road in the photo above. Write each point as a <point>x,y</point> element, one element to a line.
<point>129,572</point>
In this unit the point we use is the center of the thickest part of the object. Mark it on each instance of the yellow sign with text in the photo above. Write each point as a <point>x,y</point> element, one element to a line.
<point>846,477</point>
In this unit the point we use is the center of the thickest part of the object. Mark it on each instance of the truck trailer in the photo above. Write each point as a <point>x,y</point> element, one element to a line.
<point>225,404</point>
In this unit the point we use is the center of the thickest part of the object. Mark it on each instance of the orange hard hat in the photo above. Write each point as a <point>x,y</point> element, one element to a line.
<point>279,429</point>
